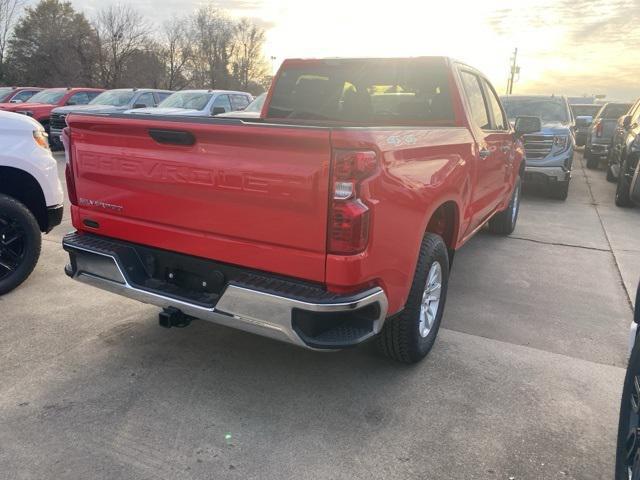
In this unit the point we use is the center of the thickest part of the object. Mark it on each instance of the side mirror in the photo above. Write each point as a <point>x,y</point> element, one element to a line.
<point>584,121</point>
<point>526,124</point>
<point>139,105</point>
<point>218,110</point>
<point>626,122</point>
<point>635,186</point>
<point>17,100</point>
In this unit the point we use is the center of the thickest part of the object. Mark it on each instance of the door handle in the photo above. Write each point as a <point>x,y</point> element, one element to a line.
<point>484,153</point>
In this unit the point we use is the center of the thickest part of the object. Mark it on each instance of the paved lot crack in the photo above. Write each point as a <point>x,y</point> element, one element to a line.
<point>606,236</point>
<point>559,244</point>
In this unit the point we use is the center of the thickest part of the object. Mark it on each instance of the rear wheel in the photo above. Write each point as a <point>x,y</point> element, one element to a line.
<point>409,336</point>
<point>504,223</point>
<point>20,243</point>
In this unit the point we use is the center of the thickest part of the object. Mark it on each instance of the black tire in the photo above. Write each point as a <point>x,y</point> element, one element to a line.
<point>400,338</point>
<point>626,453</point>
<point>623,188</point>
<point>20,243</point>
<point>592,162</point>
<point>559,191</point>
<point>504,223</point>
<point>610,177</point>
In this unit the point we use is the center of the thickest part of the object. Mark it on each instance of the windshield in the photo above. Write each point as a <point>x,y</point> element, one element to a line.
<point>614,110</point>
<point>585,110</point>
<point>385,92</point>
<point>549,110</point>
<point>113,98</point>
<point>187,100</point>
<point>256,105</point>
<point>5,91</point>
<point>47,96</point>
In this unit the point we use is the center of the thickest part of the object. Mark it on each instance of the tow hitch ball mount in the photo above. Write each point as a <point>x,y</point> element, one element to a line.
<point>173,317</point>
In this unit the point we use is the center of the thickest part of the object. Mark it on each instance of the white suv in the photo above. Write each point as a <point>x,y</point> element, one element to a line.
<point>31,196</point>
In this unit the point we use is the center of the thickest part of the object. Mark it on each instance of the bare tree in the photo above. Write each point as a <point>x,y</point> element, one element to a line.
<point>211,33</point>
<point>122,31</point>
<point>249,64</point>
<point>177,53</point>
<point>9,10</point>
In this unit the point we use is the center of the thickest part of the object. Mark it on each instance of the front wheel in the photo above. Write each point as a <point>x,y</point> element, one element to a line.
<point>409,336</point>
<point>559,191</point>
<point>20,243</point>
<point>504,223</point>
<point>627,452</point>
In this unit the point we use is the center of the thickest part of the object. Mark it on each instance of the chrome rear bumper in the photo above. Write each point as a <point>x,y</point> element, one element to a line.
<point>240,306</point>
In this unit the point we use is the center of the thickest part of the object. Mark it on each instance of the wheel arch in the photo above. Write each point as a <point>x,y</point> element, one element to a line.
<point>445,222</point>
<point>25,188</point>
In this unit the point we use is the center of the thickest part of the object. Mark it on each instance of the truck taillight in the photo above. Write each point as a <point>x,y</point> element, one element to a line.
<point>68,169</point>
<point>349,216</point>
<point>599,128</point>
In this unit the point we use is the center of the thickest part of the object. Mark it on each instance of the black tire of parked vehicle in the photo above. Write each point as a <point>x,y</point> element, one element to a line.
<point>627,454</point>
<point>559,191</point>
<point>504,223</point>
<point>592,162</point>
<point>623,197</point>
<point>610,176</point>
<point>17,261</point>
<point>400,338</point>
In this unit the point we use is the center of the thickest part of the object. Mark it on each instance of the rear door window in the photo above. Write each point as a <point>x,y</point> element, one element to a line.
<point>479,112</point>
<point>239,102</point>
<point>146,99</point>
<point>380,92</point>
<point>221,101</point>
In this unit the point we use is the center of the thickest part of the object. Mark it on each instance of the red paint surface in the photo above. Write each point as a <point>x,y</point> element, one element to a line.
<point>258,195</point>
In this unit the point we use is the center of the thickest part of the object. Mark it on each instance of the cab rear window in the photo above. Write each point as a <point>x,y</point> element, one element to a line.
<point>370,92</point>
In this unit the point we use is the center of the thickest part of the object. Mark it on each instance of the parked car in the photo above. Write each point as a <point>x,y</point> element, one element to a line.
<point>199,103</point>
<point>584,118</point>
<point>549,152</point>
<point>17,94</point>
<point>628,447</point>
<point>41,104</point>
<point>628,182</point>
<point>253,110</point>
<point>111,101</point>
<point>297,228</point>
<point>627,128</point>
<point>30,196</point>
<point>600,134</point>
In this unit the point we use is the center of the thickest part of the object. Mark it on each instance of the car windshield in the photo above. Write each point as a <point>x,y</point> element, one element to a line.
<point>614,110</point>
<point>114,98</point>
<point>187,100</point>
<point>256,105</point>
<point>585,110</point>
<point>548,109</point>
<point>47,96</point>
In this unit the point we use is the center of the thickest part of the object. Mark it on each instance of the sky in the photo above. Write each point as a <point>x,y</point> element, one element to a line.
<point>571,47</point>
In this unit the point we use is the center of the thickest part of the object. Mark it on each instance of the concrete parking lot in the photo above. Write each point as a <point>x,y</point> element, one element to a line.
<point>524,380</point>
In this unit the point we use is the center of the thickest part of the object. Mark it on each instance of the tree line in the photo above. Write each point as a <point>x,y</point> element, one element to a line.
<point>52,44</point>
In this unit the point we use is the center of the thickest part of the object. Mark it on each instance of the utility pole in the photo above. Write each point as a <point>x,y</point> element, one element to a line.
<point>515,69</point>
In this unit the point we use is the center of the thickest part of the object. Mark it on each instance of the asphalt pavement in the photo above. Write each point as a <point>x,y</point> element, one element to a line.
<point>523,382</point>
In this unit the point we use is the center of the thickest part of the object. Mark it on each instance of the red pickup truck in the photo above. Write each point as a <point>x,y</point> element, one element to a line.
<point>39,106</point>
<point>331,219</point>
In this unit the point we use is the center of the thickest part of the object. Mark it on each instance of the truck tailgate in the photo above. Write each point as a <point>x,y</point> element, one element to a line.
<point>247,194</point>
